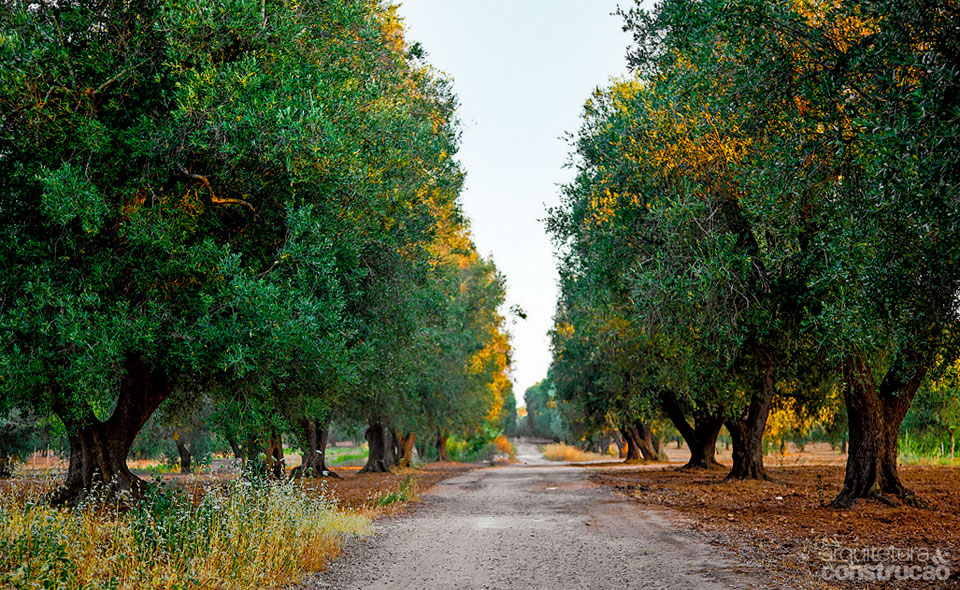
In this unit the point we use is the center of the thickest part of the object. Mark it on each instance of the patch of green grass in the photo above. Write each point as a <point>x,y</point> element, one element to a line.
<point>919,451</point>
<point>346,456</point>
<point>407,492</point>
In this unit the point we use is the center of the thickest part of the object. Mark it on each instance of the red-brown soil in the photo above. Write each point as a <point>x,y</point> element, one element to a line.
<point>352,490</point>
<point>359,490</point>
<point>784,527</point>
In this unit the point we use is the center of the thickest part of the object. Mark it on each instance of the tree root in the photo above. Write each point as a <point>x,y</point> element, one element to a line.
<point>762,475</point>
<point>708,465</point>
<point>893,498</point>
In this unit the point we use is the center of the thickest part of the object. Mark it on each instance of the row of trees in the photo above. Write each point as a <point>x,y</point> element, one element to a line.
<point>769,208</point>
<point>247,211</point>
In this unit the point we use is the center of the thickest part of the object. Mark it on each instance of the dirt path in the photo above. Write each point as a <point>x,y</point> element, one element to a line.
<point>529,526</point>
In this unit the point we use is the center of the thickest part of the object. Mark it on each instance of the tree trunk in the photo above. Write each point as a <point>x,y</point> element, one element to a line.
<point>380,445</point>
<point>895,401</point>
<point>645,437</point>
<point>747,430</point>
<point>630,436</point>
<point>235,446</point>
<point>406,443</point>
<point>441,445</point>
<point>874,415</point>
<point>639,442</point>
<point>394,447</point>
<point>660,448</point>
<point>605,441</point>
<point>276,464</point>
<point>184,456</point>
<point>703,454</point>
<point>700,438</point>
<point>314,438</point>
<point>98,450</point>
<point>621,443</point>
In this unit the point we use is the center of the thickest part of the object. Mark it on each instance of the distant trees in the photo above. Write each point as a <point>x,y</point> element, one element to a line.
<point>15,438</point>
<point>245,203</point>
<point>544,417</point>
<point>769,208</point>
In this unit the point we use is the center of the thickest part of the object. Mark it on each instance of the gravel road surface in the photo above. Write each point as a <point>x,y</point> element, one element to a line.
<point>529,526</point>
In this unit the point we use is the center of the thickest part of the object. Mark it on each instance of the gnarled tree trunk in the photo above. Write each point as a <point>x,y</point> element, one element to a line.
<point>314,439</point>
<point>701,438</point>
<point>380,443</point>
<point>874,414</point>
<point>660,449</point>
<point>703,453</point>
<point>235,446</point>
<point>747,430</point>
<point>185,456</point>
<point>639,439</point>
<point>441,445</point>
<point>406,443</point>
<point>620,442</point>
<point>275,462</point>
<point>648,447</point>
<point>632,454</point>
<point>393,456</point>
<point>98,450</point>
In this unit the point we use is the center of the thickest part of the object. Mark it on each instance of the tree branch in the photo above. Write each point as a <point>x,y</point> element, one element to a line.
<point>213,196</point>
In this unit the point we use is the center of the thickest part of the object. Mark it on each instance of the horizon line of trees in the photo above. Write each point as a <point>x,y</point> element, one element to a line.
<point>767,209</point>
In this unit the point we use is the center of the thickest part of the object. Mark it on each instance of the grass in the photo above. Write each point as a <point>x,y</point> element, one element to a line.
<point>407,492</point>
<point>346,456</point>
<point>505,446</point>
<point>237,534</point>
<point>918,452</point>
<point>929,460</point>
<point>562,452</point>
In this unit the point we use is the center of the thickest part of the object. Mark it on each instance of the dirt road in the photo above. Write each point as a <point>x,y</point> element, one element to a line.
<point>529,526</point>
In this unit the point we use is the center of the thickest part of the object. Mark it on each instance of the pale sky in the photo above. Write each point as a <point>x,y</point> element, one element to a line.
<point>522,70</point>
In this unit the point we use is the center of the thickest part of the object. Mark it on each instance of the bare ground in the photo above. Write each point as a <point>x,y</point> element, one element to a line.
<point>532,525</point>
<point>783,526</point>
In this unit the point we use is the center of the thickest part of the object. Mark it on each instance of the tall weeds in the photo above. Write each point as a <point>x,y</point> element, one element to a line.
<point>238,534</point>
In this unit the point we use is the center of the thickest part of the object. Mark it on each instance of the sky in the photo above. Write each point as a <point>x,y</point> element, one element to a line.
<point>522,70</point>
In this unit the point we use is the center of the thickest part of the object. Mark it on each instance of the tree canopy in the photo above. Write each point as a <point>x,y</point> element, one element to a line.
<point>250,201</point>
<point>768,206</point>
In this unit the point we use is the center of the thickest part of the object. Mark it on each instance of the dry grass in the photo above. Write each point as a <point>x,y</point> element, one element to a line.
<point>505,446</point>
<point>238,534</point>
<point>562,452</point>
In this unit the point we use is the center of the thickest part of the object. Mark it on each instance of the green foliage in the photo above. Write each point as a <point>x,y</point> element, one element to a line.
<point>509,424</point>
<point>255,205</point>
<point>932,425</point>
<point>479,446</point>
<point>545,418</point>
<point>68,196</point>
<point>16,433</point>
<point>770,199</point>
